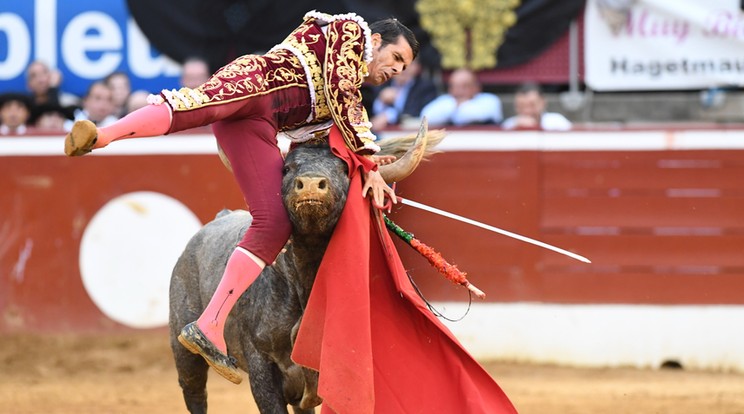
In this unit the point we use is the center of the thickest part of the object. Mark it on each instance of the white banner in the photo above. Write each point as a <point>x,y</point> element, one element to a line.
<point>663,44</point>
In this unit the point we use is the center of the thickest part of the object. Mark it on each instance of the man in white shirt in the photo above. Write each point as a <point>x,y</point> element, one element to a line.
<point>98,107</point>
<point>403,97</point>
<point>464,104</point>
<point>529,104</point>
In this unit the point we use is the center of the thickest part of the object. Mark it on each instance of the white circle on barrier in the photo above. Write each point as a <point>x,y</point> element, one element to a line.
<point>127,254</point>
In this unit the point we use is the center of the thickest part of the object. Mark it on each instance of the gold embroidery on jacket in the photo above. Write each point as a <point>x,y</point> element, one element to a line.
<point>344,66</point>
<point>320,106</point>
<point>245,77</point>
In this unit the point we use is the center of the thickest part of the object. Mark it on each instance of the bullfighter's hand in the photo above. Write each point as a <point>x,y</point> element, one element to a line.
<point>383,159</point>
<point>379,189</point>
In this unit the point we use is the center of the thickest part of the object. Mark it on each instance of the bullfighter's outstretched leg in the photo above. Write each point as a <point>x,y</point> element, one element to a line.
<point>205,336</point>
<point>250,145</point>
<point>148,121</point>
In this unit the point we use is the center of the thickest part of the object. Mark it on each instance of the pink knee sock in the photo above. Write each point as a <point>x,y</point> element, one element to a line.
<point>148,121</point>
<point>240,272</point>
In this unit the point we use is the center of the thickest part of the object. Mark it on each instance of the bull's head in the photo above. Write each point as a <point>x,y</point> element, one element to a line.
<point>404,166</point>
<point>314,188</point>
<point>315,182</point>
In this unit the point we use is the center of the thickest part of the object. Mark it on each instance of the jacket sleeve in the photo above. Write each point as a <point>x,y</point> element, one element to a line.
<point>344,71</point>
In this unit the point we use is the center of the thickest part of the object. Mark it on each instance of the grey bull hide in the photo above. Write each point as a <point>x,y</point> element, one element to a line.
<point>263,324</point>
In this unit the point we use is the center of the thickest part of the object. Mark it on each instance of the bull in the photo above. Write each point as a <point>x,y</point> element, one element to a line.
<point>264,323</point>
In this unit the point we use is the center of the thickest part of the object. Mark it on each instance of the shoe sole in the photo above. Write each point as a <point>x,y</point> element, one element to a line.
<point>73,148</point>
<point>226,373</point>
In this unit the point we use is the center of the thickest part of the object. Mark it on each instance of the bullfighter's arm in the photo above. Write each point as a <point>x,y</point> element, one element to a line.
<point>344,71</point>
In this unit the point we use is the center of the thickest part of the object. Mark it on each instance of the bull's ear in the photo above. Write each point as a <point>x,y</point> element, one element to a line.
<point>404,166</point>
<point>224,159</point>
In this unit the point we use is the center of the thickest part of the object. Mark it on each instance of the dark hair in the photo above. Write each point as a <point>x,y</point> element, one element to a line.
<point>67,112</point>
<point>391,29</point>
<point>114,74</point>
<point>528,87</point>
<point>93,85</point>
<point>19,97</point>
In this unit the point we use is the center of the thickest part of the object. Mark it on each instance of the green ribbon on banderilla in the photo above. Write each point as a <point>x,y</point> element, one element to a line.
<point>450,271</point>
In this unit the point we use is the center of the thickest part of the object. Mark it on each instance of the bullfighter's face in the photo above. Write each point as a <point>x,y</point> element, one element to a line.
<point>389,60</point>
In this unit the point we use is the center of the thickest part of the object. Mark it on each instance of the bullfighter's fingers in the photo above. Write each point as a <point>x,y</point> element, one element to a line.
<point>384,159</point>
<point>375,194</point>
<point>365,189</point>
<point>390,192</point>
<point>379,195</point>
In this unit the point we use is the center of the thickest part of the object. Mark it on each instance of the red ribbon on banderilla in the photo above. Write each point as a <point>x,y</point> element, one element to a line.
<point>450,271</point>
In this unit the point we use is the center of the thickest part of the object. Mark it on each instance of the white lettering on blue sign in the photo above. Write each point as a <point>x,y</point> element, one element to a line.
<point>86,40</point>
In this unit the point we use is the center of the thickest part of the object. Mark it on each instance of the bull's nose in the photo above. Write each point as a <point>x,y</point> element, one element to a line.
<point>313,184</point>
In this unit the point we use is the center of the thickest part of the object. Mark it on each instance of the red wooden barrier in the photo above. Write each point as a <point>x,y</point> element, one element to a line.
<point>661,227</point>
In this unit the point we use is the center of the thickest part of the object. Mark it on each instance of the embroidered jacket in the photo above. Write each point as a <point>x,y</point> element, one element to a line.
<point>327,54</point>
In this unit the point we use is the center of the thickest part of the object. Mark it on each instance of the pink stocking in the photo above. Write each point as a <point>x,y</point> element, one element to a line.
<point>240,272</point>
<point>148,121</point>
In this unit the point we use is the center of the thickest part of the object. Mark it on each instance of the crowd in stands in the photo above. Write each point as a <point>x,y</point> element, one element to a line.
<point>457,101</point>
<point>45,108</point>
<point>460,102</point>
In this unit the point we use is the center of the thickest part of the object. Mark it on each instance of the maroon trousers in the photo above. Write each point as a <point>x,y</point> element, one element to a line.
<point>246,131</point>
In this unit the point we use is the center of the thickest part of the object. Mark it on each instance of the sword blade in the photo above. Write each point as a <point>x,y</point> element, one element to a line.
<point>493,229</point>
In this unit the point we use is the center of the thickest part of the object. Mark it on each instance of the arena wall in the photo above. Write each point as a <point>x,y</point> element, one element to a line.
<point>87,244</point>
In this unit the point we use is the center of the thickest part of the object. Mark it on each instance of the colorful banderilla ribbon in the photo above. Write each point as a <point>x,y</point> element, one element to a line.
<point>450,271</point>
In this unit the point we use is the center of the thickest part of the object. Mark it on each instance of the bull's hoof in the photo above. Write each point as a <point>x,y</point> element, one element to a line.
<point>310,401</point>
<point>193,339</point>
<point>81,138</point>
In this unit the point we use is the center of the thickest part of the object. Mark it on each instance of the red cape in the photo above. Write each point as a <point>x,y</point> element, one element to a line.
<point>377,347</point>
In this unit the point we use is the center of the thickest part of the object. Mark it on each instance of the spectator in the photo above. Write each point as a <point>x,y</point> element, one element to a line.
<point>98,106</point>
<point>404,96</point>
<point>51,118</point>
<point>44,85</point>
<point>137,100</point>
<point>120,87</point>
<point>194,73</point>
<point>464,104</point>
<point>15,111</point>
<point>529,105</point>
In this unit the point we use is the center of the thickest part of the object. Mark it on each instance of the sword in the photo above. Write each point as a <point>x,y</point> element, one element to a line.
<point>492,228</point>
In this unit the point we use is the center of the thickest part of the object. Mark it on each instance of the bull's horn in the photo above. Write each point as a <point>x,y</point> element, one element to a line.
<point>224,159</point>
<point>404,166</point>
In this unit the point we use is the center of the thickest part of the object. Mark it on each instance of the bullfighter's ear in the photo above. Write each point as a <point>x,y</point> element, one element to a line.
<point>376,40</point>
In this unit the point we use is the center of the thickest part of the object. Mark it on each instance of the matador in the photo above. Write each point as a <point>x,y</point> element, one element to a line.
<point>304,84</point>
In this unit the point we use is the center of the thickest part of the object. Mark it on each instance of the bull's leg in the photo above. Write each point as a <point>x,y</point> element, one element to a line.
<point>310,397</point>
<point>298,410</point>
<point>309,377</point>
<point>266,384</point>
<point>192,377</point>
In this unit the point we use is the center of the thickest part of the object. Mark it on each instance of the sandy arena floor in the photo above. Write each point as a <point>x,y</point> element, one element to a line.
<point>135,374</point>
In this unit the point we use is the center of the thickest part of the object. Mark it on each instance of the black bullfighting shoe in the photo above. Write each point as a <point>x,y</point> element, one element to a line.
<point>81,138</point>
<point>193,339</point>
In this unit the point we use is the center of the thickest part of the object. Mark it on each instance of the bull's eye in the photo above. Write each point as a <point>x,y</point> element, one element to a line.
<point>285,170</point>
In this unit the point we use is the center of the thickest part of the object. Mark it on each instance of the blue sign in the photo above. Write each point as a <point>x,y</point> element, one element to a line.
<point>84,39</point>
